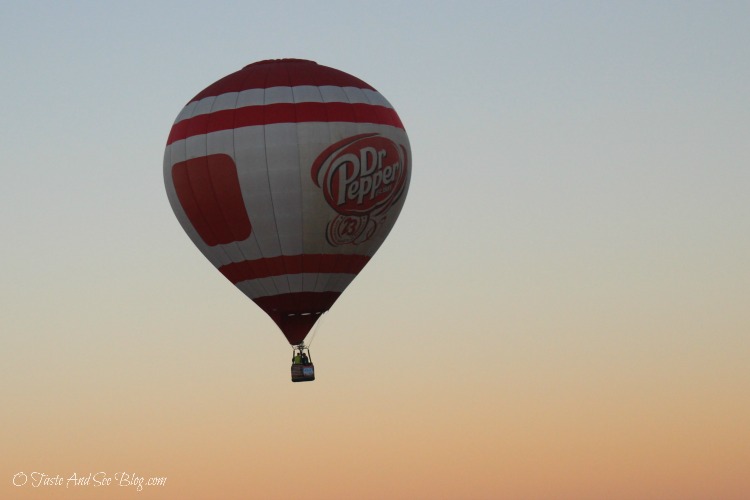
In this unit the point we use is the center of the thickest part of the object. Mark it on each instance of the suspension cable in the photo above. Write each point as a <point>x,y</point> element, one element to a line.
<point>315,328</point>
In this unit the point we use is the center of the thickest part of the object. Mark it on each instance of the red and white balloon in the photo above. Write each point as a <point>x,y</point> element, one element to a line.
<point>288,175</point>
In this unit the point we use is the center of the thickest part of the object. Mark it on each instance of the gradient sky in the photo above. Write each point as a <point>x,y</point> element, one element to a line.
<point>561,311</point>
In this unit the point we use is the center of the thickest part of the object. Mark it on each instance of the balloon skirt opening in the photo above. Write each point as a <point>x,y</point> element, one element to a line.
<point>297,313</point>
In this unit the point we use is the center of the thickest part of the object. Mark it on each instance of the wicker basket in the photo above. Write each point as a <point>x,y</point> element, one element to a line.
<point>303,373</point>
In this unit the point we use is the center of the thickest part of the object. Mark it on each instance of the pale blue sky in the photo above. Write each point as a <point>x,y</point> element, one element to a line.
<point>555,143</point>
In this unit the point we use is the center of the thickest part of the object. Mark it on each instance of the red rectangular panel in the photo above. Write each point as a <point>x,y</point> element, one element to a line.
<point>209,191</point>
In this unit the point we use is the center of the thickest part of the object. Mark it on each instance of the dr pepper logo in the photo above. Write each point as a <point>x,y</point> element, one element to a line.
<point>361,177</point>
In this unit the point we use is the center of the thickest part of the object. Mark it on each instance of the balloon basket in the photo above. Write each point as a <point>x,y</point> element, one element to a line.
<point>303,373</point>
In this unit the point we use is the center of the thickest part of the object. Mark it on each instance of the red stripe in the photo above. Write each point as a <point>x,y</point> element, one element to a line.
<point>293,264</point>
<point>298,303</point>
<point>284,113</point>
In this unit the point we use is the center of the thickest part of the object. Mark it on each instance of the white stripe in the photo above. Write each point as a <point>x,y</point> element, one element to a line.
<point>285,95</point>
<point>284,176</point>
<point>307,93</point>
<point>276,95</point>
<point>297,283</point>
<point>250,97</point>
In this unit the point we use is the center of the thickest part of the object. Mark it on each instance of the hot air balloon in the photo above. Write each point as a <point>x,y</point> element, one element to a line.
<point>288,176</point>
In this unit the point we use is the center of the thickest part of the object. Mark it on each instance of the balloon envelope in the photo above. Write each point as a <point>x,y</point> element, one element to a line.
<point>288,175</point>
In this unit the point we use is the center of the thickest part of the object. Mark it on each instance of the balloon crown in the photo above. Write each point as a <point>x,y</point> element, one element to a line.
<point>284,60</point>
